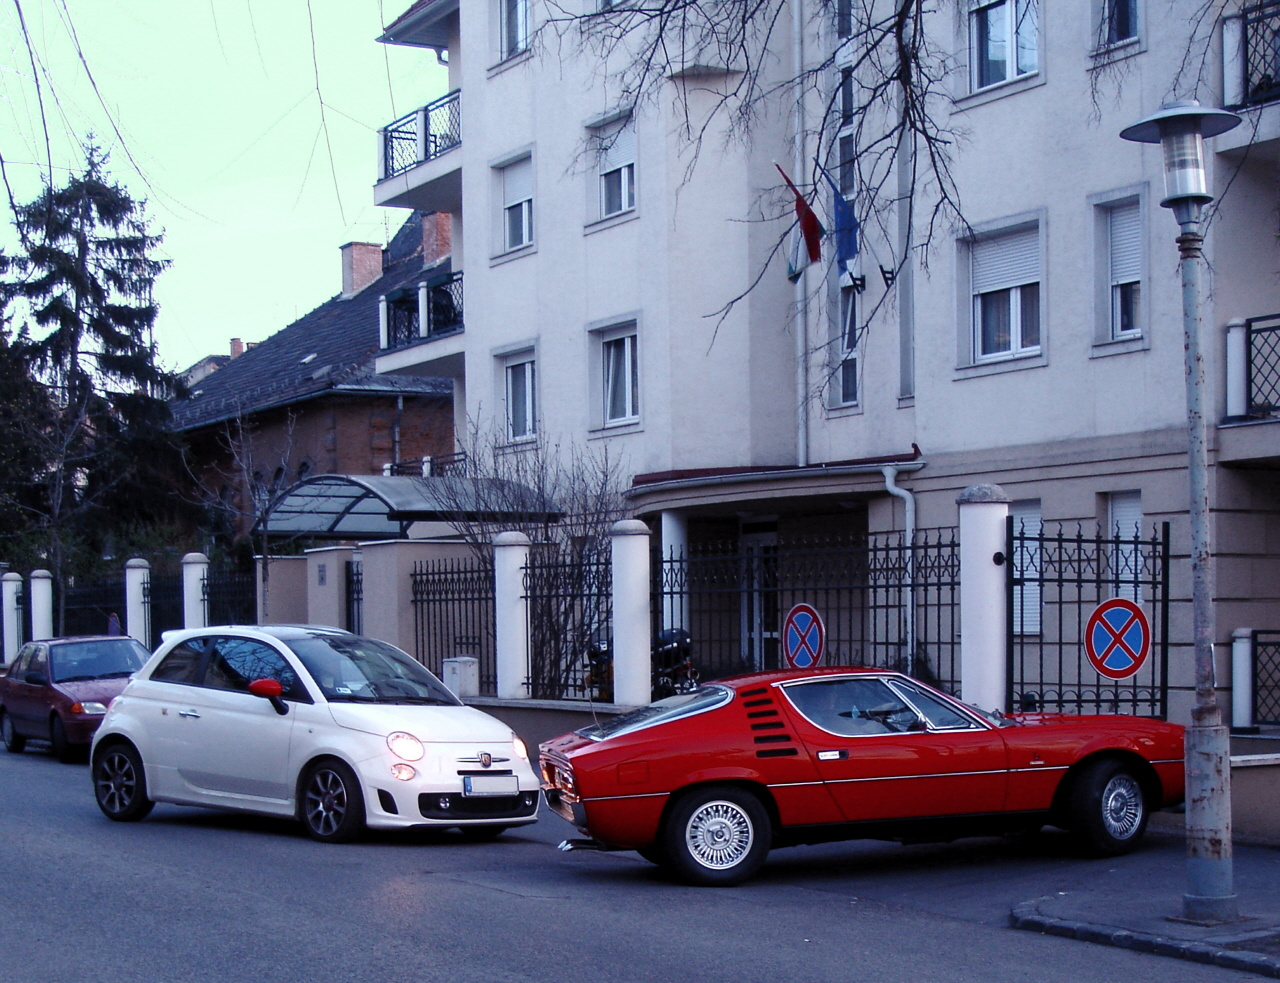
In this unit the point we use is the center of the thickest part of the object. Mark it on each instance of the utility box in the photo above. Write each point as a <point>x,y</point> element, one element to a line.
<point>462,676</point>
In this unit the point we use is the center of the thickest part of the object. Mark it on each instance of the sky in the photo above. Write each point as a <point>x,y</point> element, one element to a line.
<point>248,126</point>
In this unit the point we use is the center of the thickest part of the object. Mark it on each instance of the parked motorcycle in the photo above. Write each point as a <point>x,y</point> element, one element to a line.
<point>670,656</point>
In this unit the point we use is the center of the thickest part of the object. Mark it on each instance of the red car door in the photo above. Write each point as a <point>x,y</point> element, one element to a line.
<point>883,757</point>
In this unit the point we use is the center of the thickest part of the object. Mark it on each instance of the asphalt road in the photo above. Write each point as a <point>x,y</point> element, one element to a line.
<point>189,895</point>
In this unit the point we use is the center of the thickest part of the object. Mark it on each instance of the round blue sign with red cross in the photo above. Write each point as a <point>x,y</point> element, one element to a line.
<point>1117,638</point>
<point>803,637</point>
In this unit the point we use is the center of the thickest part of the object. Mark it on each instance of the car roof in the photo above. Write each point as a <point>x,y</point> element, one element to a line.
<point>81,639</point>
<point>281,632</point>
<point>770,676</point>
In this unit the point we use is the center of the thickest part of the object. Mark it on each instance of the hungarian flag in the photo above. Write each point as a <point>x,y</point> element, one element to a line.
<point>809,243</point>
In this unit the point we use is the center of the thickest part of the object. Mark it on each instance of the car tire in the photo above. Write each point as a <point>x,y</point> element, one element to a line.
<point>716,836</point>
<point>120,783</point>
<point>13,741</point>
<point>654,854</point>
<point>59,747</point>
<point>332,805</point>
<point>1109,810</point>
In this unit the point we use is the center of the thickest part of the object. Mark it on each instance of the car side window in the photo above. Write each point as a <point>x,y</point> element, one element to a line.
<point>181,664</point>
<point>19,667</point>
<point>854,707</point>
<point>941,715</point>
<point>236,662</point>
<point>39,662</point>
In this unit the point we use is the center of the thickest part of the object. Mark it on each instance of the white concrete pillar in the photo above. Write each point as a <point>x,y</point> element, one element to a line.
<point>137,621</point>
<point>632,671</point>
<point>1242,678</point>
<point>195,567</point>
<point>511,614</point>
<point>1237,368</point>
<point>384,325</point>
<point>674,534</point>
<point>423,148</point>
<point>1233,60</point>
<point>40,590</point>
<point>424,309</point>
<point>983,627</point>
<point>10,587</point>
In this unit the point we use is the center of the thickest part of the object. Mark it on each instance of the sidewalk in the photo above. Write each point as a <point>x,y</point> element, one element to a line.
<point>1134,908</point>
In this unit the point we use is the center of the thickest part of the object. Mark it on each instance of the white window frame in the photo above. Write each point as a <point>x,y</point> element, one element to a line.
<point>513,28</point>
<point>521,408</point>
<point>1007,265</point>
<point>624,341</point>
<point>1107,22</point>
<point>846,388</point>
<point>616,157</point>
<point>1124,268</point>
<point>1015,18</point>
<point>516,186</point>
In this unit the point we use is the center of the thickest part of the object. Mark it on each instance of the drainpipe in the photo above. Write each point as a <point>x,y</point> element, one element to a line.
<point>801,290</point>
<point>395,429</point>
<point>890,473</point>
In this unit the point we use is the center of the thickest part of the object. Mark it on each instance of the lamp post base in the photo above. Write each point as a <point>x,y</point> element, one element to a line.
<point>1210,897</point>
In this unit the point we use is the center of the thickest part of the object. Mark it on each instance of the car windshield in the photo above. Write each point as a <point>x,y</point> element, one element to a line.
<point>112,658</point>
<point>349,669</point>
<point>663,711</point>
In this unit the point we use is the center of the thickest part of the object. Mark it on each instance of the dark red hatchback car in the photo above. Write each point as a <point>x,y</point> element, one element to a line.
<point>58,689</point>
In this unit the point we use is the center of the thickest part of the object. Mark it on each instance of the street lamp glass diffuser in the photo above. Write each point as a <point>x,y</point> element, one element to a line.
<point>1180,129</point>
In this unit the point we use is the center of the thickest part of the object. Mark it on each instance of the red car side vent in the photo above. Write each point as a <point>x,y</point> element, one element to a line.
<point>761,713</point>
<point>755,692</point>
<point>769,725</point>
<point>766,702</point>
<point>773,739</point>
<point>777,752</point>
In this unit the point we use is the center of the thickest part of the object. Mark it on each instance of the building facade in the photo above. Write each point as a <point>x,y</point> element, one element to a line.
<point>625,283</point>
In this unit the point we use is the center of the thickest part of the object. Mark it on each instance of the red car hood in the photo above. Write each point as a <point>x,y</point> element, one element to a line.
<point>93,690</point>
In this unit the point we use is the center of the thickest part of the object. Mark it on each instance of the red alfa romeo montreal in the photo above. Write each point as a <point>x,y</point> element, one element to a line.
<point>706,783</point>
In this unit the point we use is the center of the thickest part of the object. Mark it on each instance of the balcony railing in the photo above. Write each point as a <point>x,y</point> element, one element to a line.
<point>1261,41</point>
<point>1262,353</point>
<point>444,312</point>
<point>422,135</point>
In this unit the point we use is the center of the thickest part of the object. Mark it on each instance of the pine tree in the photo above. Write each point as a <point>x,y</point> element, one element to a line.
<point>80,296</point>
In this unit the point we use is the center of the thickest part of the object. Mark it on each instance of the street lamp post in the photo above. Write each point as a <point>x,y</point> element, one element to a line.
<point>1180,129</point>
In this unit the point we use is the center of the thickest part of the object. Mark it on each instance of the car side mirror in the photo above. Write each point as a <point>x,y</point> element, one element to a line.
<point>35,678</point>
<point>270,689</point>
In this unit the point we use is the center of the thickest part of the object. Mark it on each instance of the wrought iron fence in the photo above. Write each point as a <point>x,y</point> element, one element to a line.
<point>230,598</point>
<point>443,122</point>
<point>355,597</point>
<point>1263,372</point>
<point>1055,582</point>
<point>162,601</point>
<point>885,602</point>
<point>453,615</point>
<point>402,320</point>
<point>1266,678</point>
<point>570,611</point>
<point>1261,51</point>
<point>87,609</point>
<point>444,305</point>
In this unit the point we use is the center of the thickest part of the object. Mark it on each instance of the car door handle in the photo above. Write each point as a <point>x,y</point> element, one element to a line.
<point>189,713</point>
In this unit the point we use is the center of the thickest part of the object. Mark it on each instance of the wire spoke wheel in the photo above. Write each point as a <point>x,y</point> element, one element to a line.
<point>1122,806</point>
<point>719,835</point>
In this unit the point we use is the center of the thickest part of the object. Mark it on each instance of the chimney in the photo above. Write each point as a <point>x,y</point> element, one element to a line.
<point>361,266</point>
<point>436,237</point>
<point>237,347</point>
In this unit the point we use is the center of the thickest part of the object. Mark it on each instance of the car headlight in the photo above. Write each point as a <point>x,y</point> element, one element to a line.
<point>517,745</point>
<point>405,746</point>
<point>91,707</point>
<point>403,772</point>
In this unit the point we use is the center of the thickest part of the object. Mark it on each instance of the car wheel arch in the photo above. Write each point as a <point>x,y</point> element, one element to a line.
<point>756,789</point>
<point>318,758</point>
<point>1142,770</point>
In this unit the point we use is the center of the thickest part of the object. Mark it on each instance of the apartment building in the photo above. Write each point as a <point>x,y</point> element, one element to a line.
<point>1032,340</point>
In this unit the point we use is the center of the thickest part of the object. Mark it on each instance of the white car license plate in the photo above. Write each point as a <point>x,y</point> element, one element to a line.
<point>490,785</point>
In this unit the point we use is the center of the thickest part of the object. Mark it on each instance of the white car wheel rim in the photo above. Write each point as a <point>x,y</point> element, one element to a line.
<point>719,835</point>
<point>1122,806</point>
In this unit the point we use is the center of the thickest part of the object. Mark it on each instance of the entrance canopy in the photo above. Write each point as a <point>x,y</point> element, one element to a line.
<point>336,506</point>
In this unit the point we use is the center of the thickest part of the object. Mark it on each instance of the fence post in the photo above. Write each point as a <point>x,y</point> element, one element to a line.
<point>629,557</point>
<point>195,568</point>
<point>1242,679</point>
<point>137,574</point>
<point>983,569</point>
<point>41,588</point>
<point>674,536</point>
<point>10,585</point>
<point>511,614</point>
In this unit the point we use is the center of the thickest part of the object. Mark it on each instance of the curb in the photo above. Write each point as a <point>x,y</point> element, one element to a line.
<point>1026,916</point>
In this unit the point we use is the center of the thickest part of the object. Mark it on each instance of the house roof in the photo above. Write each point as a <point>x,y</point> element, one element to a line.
<point>423,24</point>
<point>329,351</point>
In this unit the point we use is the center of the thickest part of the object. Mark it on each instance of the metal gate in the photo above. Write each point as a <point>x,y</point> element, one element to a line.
<point>1055,581</point>
<point>885,601</point>
<point>1266,678</point>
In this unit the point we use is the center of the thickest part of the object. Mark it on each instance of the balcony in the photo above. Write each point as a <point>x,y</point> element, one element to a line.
<point>415,168</point>
<point>1247,434</point>
<point>1257,65</point>
<point>413,317</point>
